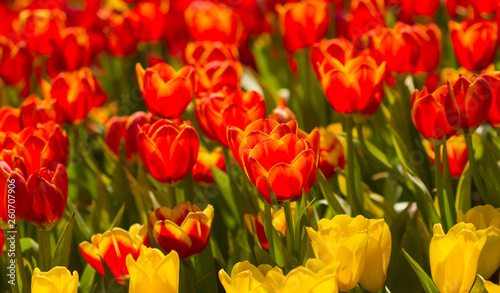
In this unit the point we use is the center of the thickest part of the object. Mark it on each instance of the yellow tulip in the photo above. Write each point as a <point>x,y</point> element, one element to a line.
<point>454,257</point>
<point>343,239</point>
<point>486,219</point>
<point>491,287</point>
<point>315,277</point>
<point>153,271</point>
<point>57,280</point>
<point>377,256</point>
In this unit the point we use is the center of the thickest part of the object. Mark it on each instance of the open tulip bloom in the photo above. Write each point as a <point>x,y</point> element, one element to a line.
<point>251,146</point>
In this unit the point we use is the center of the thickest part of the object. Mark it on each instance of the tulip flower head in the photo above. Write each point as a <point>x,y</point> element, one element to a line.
<point>185,228</point>
<point>57,280</point>
<point>332,154</point>
<point>202,172</point>
<point>457,154</point>
<point>12,179</point>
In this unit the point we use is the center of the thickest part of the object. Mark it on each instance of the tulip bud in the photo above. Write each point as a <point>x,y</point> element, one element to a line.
<point>457,154</point>
<point>454,257</point>
<point>48,192</point>
<point>57,280</point>
<point>282,114</point>
<point>15,62</point>
<point>332,153</point>
<point>153,271</point>
<point>185,228</point>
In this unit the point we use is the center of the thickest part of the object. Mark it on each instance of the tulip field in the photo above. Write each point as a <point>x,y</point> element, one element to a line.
<point>250,146</point>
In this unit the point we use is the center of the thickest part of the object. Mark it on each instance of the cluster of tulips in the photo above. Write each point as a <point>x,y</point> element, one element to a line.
<point>249,146</point>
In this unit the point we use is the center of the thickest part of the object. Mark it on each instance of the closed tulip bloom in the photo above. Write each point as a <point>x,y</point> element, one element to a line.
<point>475,43</point>
<point>429,116</point>
<point>168,149</point>
<point>57,280</point>
<point>113,247</point>
<point>15,62</point>
<point>302,23</point>
<point>185,228</point>
<point>353,88</point>
<point>276,156</point>
<point>454,257</point>
<point>429,37</point>
<point>365,15</point>
<point>217,75</point>
<point>203,52</point>
<point>48,194</point>
<point>493,80</point>
<point>166,92</point>
<point>202,172</point>
<point>34,110</point>
<point>457,154</point>
<point>122,31</point>
<point>216,111</point>
<point>411,8</point>
<point>467,103</point>
<point>12,179</point>
<point>282,114</point>
<point>152,18</point>
<point>332,153</point>
<point>76,93</point>
<point>245,277</point>
<point>486,219</point>
<point>324,50</point>
<point>378,255</point>
<point>153,271</point>
<point>207,21</point>
<point>345,239</point>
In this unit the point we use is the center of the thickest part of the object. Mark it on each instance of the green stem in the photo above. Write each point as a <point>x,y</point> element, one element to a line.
<point>269,229</point>
<point>289,228</point>
<point>170,199</point>
<point>439,187</point>
<point>44,250</point>
<point>476,176</point>
<point>448,188</point>
<point>356,208</point>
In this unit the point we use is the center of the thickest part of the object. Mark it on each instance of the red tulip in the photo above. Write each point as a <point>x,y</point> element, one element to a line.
<point>215,75</point>
<point>411,8</point>
<point>204,52</point>
<point>112,247</point>
<point>430,44</point>
<point>14,201</point>
<point>216,111</point>
<point>475,43</point>
<point>429,116</point>
<point>185,228</point>
<point>76,93</point>
<point>9,119</point>
<point>48,194</point>
<point>365,16</point>
<point>457,154</point>
<point>202,172</point>
<point>282,114</point>
<point>71,53</point>
<point>332,152</point>
<point>325,50</point>
<point>168,149</point>
<point>166,92</point>
<point>355,87</point>
<point>15,62</point>
<point>467,103</point>
<point>151,20</point>
<point>122,33</point>
<point>303,23</point>
<point>493,80</point>
<point>479,6</point>
<point>207,21</point>
<point>34,111</point>
<point>276,156</point>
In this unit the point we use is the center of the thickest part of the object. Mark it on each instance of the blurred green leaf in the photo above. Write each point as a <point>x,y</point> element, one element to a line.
<point>425,280</point>
<point>478,285</point>
<point>63,247</point>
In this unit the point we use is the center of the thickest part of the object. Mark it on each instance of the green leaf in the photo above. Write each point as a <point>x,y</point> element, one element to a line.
<point>224,183</point>
<point>87,279</point>
<point>478,285</point>
<point>263,256</point>
<point>118,217</point>
<point>205,274</point>
<point>333,200</point>
<point>425,280</point>
<point>463,198</point>
<point>63,247</point>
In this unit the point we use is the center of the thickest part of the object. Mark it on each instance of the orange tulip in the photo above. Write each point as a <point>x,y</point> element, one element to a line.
<point>151,20</point>
<point>215,75</point>
<point>76,93</point>
<point>168,149</point>
<point>207,21</point>
<point>204,52</point>
<point>15,62</point>
<point>467,103</point>
<point>493,80</point>
<point>276,156</point>
<point>282,114</point>
<point>14,199</point>
<point>166,92</point>
<point>202,173</point>
<point>48,194</point>
<point>112,247</point>
<point>332,153</point>
<point>122,31</point>
<point>475,43</point>
<point>355,87</point>
<point>428,114</point>
<point>72,53</point>
<point>34,110</point>
<point>302,23</point>
<point>325,50</point>
<point>457,154</point>
<point>185,228</point>
<point>216,111</point>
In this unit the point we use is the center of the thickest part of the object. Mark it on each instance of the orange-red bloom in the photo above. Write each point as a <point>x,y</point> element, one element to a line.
<point>457,154</point>
<point>48,194</point>
<point>185,228</point>
<point>166,92</point>
<point>475,43</point>
<point>207,21</point>
<point>429,37</point>
<point>34,111</point>
<point>303,23</point>
<point>325,50</point>
<point>204,52</point>
<point>9,120</point>
<point>365,15</point>
<point>151,20</point>
<point>215,75</point>
<point>467,103</point>
<point>411,8</point>
<point>71,53</point>
<point>113,247</point>
<point>202,172</point>
<point>282,114</point>
<point>478,6</point>
<point>15,62</point>
<point>355,87</point>
<point>168,149</point>
<point>429,116</point>
<point>216,111</point>
<point>332,153</point>
<point>493,80</point>
<point>276,156</point>
<point>76,93</point>
<point>12,179</point>
<point>122,33</point>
